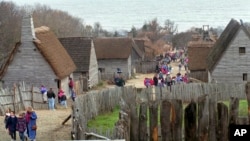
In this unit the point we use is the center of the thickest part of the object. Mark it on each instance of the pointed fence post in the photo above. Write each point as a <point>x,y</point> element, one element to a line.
<point>177,117</point>
<point>233,110</point>
<point>153,115</point>
<point>222,122</point>
<point>165,121</point>
<point>143,132</point>
<point>203,118</point>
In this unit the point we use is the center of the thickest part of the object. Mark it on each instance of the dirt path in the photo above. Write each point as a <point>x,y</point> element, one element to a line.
<point>49,122</point>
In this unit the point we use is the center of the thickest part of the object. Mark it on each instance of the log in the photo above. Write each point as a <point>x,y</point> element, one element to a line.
<point>66,119</point>
<point>143,134</point>
<point>203,119</point>
<point>222,122</point>
<point>190,122</point>
<point>177,118</point>
<point>153,116</point>
<point>165,121</point>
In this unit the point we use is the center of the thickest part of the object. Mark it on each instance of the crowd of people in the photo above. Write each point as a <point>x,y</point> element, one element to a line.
<point>24,124</point>
<point>164,76</point>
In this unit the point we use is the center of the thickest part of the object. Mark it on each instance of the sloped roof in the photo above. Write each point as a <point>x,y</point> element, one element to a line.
<point>222,43</point>
<point>79,48</point>
<point>54,52</point>
<point>137,49</point>
<point>113,48</point>
<point>140,44</point>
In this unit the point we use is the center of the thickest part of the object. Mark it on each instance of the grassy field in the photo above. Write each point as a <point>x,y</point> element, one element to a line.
<point>108,120</point>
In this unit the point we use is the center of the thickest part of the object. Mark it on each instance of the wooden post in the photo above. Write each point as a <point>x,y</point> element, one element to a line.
<point>143,133</point>
<point>190,122</point>
<point>222,122</point>
<point>233,110</point>
<point>32,96</point>
<point>21,98</point>
<point>203,120</point>
<point>153,120</point>
<point>177,117</point>
<point>14,99</point>
<point>134,133</point>
<point>212,118</point>
<point>248,99</point>
<point>165,121</point>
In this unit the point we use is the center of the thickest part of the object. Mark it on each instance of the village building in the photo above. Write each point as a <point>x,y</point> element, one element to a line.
<point>83,53</point>
<point>38,59</point>
<point>228,61</point>
<point>198,50</point>
<point>117,53</point>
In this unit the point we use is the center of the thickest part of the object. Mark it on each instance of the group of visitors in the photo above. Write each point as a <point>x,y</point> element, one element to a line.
<point>164,78</point>
<point>50,96</point>
<point>25,124</point>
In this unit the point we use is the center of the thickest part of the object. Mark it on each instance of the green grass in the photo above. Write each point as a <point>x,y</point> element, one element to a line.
<point>105,121</point>
<point>243,107</point>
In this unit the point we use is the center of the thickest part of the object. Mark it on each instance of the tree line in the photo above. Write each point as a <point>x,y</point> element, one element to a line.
<point>65,25</point>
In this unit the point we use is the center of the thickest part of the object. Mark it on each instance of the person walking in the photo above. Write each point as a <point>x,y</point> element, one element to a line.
<point>11,125</point>
<point>31,118</point>
<point>21,125</point>
<point>51,99</point>
<point>43,91</point>
<point>64,100</point>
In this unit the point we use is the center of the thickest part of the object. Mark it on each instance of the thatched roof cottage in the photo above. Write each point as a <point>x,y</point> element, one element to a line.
<point>198,50</point>
<point>228,61</point>
<point>38,59</point>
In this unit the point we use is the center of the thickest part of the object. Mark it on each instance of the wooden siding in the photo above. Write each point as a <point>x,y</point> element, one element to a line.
<point>111,65</point>
<point>93,67</point>
<point>232,65</point>
<point>30,66</point>
<point>135,59</point>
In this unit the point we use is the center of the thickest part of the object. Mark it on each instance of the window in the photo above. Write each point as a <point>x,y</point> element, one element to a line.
<point>244,76</point>
<point>102,70</point>
<point>242,50</point>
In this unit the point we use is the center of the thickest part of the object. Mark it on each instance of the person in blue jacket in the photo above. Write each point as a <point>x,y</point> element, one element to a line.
<point>31,123</point>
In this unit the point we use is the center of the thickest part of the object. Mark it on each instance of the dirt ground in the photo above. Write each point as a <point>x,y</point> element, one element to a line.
<point>49,123</point>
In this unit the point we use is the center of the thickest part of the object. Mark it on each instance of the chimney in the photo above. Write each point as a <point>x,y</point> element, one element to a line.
<point>27,33</point>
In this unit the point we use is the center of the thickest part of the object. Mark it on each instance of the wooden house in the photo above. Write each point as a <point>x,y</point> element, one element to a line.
<point>113,53</point>
<point>198,50</point>
<point>39,59</point>
<point>228,61</point>
<point>83,53</point>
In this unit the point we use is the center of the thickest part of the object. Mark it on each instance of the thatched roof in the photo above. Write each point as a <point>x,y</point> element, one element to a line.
<point>54,52</point>
<point>222,43</point>
<point>197,54</point>
<point>79,48</point>
<point>113,48</point>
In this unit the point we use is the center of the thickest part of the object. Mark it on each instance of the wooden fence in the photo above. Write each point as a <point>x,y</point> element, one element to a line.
<point>146,66</point>
<point>200,75</point>
<point>132,123</point>
<point>20,96</point>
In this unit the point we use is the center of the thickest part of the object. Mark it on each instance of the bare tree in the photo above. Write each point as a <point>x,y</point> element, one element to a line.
<point>170,27</point>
